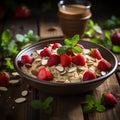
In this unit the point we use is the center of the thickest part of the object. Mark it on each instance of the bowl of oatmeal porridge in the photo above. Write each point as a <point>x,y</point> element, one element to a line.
<point>74,68</point>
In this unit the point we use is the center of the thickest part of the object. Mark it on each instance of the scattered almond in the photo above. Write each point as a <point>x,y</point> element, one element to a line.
<point>14,81</point>
<point>24,93</point>
<point>3,89</point>
<point>15,73</point>
<point>20,100</point>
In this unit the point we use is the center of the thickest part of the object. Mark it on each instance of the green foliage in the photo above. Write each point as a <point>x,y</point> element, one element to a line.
<point>93,105</point>
<point>93,28</point>
<point>70,44</point>
<point>112,23</point>
<point>10,47</point>
<point>43,105</point>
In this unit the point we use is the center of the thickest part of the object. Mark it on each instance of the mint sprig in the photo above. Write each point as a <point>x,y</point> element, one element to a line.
<point>93,105</point>
<point>43,105</point>
<point>70,44</point>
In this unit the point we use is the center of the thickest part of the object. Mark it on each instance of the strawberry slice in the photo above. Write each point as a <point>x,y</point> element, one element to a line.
<point>53,60</point>
<point>96,54</point>
<point>104,65</point>
<point>46,52</point>
<point>79,59</point>
<point>4,79</point>
<point>26,59</point>
<point>65,60</point>
<point>89,75</point>
<point>56,45</point>
<point>108,99</point>
<point>44,74</point>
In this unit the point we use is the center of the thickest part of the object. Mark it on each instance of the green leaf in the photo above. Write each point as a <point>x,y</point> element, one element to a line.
<point>100,108</point>
<point>90,99</point>
<point>9,64</point>
<point>97,29</point>
<point>36,104</point>
<point>45,105</point>
<point>19,37</point>
<point>77,49</point>
<point>47,102</point>
<point>74,40</point>
<point>12,47</point>
<point>63,49</point>
<point>116,49</point>
<point>88,109</point>
<point>112,23</point>
<point>6,36</point>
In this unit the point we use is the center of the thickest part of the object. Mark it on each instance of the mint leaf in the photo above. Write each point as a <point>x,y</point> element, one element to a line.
<point>100,108</point>
<point>63,49</point>
<point>116,49</point>
<point>19,37</point>
<point>77,49</point>
<point>6,36</point>
<point>12,48</point>
<point>90,99</point>
<point>9,64</point>
<point>47,102</point>
<point>74,40</point>
<point>93,105</point>
<point>112,23</point>
<point>36,104</point>
<point>43,105</point>
<point>88,109</point>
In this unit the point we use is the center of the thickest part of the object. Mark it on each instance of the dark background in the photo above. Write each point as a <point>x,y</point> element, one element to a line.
<point>100,8</point>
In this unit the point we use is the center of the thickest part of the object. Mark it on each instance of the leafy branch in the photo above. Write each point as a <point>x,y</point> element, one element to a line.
<point>93,105</point>
<point>43,105</point>
<point>9,47</point>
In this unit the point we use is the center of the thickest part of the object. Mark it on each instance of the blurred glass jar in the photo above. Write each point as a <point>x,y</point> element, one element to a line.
<point>73,16</point>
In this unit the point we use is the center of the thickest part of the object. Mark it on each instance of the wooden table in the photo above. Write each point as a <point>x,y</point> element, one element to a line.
<point>64,107</point>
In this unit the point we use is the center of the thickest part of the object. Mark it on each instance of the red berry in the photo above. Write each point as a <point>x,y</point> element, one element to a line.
<point>96,54</point>
<point>22,12</point>
<point>70,53</point>
<point>56,45</point>
<point>116,38</point>
<point>109,100</point>
<point>4,79</point>
<point>79,60</point>
<point>89,75</point>
<point>65,60</point>
<point>26,59</point>
<point>53,60</point>
<point>44,74</point>
<point>104,65</point>
<point>46,52</point>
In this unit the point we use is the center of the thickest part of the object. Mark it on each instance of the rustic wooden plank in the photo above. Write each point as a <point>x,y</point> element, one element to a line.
<point>50,29</point>
<point>21,26</point>
<point>64,107</point>
<point>9,109</point>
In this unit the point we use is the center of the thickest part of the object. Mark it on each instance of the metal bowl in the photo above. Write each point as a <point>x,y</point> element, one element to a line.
<point>65,88</point>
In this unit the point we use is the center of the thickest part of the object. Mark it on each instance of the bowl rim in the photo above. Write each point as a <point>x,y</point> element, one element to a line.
<point>62,84</point>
